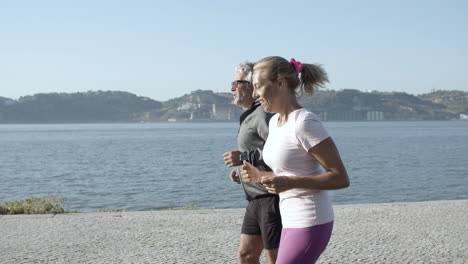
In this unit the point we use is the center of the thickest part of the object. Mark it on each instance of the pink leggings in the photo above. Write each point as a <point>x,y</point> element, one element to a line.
<point>303,245</point>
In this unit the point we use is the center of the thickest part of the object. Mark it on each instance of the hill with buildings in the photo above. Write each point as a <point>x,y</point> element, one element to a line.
<point>352,105</point>
<point>455,101</point>
<point>203,105</point>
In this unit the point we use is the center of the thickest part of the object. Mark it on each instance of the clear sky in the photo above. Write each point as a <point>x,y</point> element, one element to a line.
<point>165,49</point>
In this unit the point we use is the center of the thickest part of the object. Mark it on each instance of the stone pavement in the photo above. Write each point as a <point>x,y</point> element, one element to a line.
<point>418,232</point>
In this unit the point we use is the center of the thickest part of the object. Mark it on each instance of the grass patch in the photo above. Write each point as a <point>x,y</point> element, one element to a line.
<point>41,205</point>
<point>110,210</point>
<point>189,207</point>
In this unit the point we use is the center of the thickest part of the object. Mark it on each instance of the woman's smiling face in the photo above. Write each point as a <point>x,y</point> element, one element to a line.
<point>264,90</point>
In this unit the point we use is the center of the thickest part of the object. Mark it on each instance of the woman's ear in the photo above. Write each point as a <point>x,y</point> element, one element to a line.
<point>281,83</point>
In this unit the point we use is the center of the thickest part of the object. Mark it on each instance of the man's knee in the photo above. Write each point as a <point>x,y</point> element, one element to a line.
<point>248,254</point>
<point>250,248</point>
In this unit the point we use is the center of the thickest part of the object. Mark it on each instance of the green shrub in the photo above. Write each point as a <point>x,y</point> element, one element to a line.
<point>42,205</point>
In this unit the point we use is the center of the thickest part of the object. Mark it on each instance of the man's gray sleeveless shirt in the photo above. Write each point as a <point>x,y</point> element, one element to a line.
<point>253,132</point>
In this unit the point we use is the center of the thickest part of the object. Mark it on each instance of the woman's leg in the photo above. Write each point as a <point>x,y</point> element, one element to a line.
<point>303,245</point>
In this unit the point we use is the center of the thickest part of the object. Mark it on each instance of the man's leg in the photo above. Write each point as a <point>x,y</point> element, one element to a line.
<point>250,248</point>
<point>271,255</point>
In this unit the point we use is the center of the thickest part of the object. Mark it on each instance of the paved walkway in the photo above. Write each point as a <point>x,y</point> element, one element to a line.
<point>421,232</point>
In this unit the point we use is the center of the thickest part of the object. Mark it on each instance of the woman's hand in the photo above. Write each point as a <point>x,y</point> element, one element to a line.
<point>250,174</point>
<point>277,184</point>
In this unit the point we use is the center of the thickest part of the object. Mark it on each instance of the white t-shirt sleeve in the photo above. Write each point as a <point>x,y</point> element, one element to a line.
<point>310,131</point>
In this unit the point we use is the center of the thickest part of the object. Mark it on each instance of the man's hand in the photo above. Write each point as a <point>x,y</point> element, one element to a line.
<point>277,184</point>
<point>232,158</point>
<point>250,174</point>
<point>234,177</point>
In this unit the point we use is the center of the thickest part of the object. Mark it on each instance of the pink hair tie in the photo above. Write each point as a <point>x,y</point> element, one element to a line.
<point>297,65</point>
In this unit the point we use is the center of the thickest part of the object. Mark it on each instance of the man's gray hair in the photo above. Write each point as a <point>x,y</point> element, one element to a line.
<point>246,68</point>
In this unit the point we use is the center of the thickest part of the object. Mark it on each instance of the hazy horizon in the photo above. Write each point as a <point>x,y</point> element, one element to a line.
<point>142,47</point>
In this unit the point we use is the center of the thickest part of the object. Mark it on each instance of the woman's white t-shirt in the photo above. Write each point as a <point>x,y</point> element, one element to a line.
<point>286,153</point>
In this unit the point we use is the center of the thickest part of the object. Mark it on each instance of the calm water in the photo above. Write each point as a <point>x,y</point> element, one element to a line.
<point>166,165</point>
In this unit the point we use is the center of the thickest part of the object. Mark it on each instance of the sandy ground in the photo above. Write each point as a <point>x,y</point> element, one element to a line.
<point>420,232</point>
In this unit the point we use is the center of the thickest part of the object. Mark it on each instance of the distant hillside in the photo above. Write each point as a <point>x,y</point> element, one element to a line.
<point>356,105</point>
<point>6,101</point>
<point>87,107</point>
<point>199,97</point>
<point>203,105</point>
<point>455,101</point>
<point>198,105</point>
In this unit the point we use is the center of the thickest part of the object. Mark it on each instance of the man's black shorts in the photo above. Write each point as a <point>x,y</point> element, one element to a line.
<point>263,218</point>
